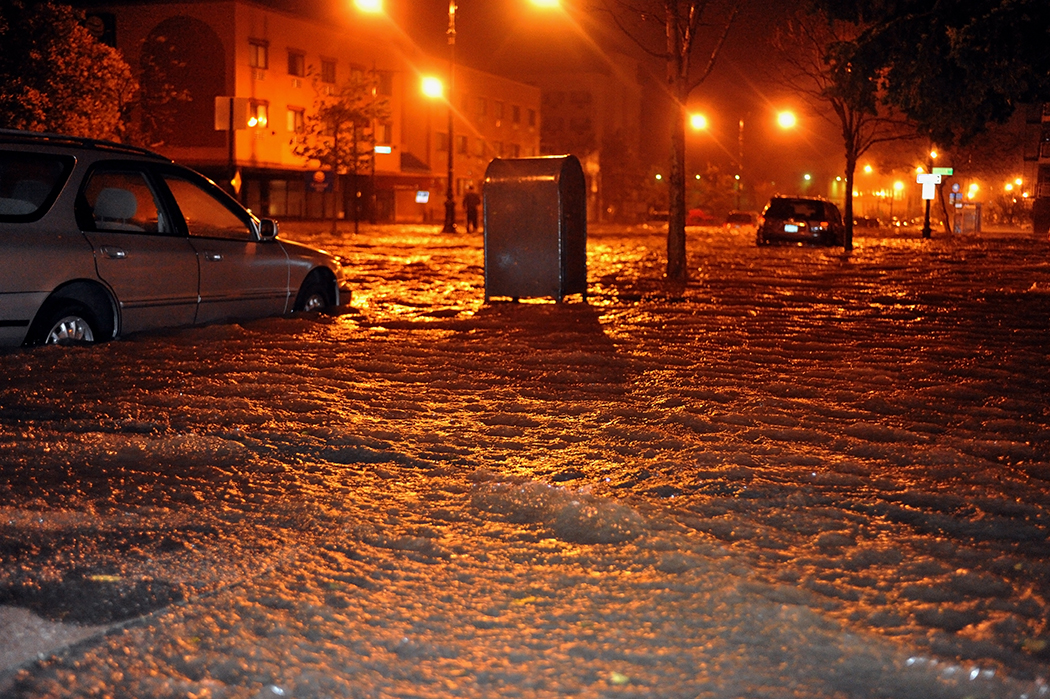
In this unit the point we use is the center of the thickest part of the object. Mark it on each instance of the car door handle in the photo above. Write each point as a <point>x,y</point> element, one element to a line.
<point>113,253</point>
<point>213,256</point>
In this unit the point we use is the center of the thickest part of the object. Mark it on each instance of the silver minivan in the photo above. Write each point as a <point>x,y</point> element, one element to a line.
<point>99,239</point>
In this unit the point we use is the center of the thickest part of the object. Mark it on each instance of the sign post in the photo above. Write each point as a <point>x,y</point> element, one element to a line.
<point>929,182</point>
<point>231,114</point>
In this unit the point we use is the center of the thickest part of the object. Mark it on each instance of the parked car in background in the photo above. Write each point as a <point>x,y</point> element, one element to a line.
<point>801,220</point>
<point>737,221</point>
<point>100,239</point>
<point>699,217</point>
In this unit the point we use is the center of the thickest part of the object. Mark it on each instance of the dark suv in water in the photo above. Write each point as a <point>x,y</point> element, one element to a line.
<point>99,239</point>
<point>801,220</point>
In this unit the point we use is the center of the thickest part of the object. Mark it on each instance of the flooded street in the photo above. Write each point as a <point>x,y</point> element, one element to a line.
<point>805,474</point>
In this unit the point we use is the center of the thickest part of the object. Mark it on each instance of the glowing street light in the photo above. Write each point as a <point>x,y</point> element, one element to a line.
<point>369,5</point>
<point>698,122</point>
<point>433,87</point>
<point>547,4</point>
<point>786,119</point>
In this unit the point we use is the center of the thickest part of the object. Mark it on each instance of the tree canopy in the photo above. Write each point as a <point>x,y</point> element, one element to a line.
<point>951,66</point>
<point>55,76</point>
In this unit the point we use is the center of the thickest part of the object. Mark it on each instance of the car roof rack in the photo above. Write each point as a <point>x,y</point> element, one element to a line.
<point>20,136</point>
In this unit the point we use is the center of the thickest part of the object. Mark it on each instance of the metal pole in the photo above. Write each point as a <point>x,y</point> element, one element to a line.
<point>740,164</point>
<point>450,196</point>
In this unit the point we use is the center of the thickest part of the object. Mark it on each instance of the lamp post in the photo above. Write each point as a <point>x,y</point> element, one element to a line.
<point>450,196</point>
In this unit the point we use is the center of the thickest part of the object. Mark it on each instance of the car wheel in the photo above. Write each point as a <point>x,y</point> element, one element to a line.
<point>313,296</point>
<point>72,323</point>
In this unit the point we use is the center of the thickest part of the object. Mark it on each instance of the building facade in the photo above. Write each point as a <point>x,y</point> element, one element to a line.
<point>208,65</point>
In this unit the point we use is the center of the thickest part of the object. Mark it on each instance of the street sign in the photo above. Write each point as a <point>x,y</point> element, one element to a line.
<point>929,182</point>
<point>946,171</point>
<point>320,181</point>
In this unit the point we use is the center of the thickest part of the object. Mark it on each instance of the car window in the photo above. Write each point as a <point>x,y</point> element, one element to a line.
<point>122,200</point>
<point>795,209</point>
<point>29,183</point>
<point>205,214</point>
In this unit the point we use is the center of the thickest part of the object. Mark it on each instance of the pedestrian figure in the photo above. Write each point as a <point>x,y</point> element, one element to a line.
<point>471,202</point>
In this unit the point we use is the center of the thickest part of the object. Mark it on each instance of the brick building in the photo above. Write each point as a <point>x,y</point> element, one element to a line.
<point>187,54</point>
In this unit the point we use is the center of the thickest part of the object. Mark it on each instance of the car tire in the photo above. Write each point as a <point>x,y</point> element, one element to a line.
<point>314,296</point>
<point>67,323</point>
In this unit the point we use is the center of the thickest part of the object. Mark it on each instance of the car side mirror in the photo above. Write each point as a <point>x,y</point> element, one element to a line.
<point>267,229</point>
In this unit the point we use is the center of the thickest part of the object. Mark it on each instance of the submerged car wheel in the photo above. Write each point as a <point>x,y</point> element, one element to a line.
<point>313,296</point>
<point>70,324</point>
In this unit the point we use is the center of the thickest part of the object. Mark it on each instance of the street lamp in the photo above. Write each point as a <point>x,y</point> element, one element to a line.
<point>450,195</point>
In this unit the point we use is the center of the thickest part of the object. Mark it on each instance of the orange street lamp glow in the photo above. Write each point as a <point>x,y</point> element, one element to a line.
<point>547,3</point>
<point>787,120</point>
<point>433,87</point>
<point>868,169</point>
<point>698,122</point>
<point>898,185</point>
<point>369,5</point>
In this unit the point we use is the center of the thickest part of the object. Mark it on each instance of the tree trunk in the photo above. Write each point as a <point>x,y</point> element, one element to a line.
<point>677,72</point>
<point>847,213</point>
<point>677,270</point>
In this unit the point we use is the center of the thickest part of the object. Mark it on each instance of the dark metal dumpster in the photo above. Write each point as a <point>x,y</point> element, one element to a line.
<point>535,228</point>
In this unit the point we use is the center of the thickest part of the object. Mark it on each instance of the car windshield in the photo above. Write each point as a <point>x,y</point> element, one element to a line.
<point>29,182</point>
<point>796,209</point>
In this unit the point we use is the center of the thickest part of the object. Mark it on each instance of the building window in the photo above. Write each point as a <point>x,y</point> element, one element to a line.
<point>482,106</point>
<point>532,117</point>
<point>515,150</point>
<point>385,83</point>
<point>357,73</point>
<point>296,64</point>
<point>515,114</point>
<point>479,148</point>
<point>258,54</point>
<point>497,148</point>
<point>296,119</point>
<point>385,133</point>
<point>258,114</point>
<point>327,71</point>
<point>461,145</point>
<point>497,110</point>
<point>442,142</point>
